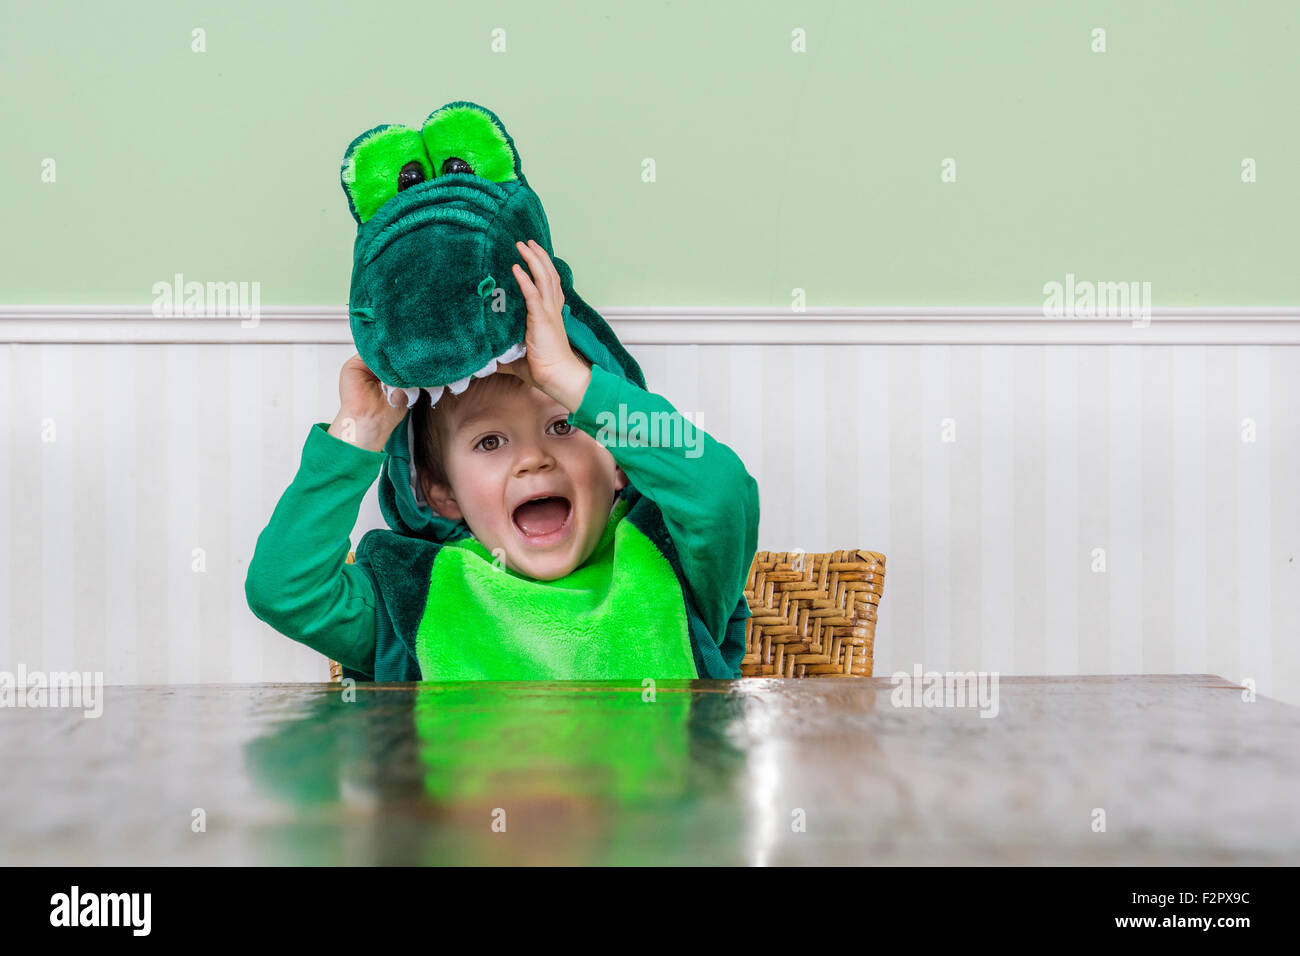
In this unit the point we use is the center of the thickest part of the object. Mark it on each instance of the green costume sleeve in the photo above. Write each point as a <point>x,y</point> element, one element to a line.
<point>298,580</point>
<point>708,500</point>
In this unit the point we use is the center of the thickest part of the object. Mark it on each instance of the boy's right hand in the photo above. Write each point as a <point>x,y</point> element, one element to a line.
<point>365,418</point>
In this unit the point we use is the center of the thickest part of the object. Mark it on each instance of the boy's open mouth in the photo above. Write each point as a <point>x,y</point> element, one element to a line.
<point>544,518</point>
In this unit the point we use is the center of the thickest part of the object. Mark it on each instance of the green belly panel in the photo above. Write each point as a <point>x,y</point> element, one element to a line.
<point>620,616</point>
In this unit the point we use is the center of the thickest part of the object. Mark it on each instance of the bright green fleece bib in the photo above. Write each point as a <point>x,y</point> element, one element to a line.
<point>620,616</point>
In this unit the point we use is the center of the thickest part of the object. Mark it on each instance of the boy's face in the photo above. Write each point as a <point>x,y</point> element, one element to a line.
<point>514,446</point>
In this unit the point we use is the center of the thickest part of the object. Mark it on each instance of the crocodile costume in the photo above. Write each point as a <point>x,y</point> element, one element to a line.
<point>438,211</point>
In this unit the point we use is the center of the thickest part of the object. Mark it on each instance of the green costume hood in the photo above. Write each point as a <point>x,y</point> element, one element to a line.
<point>433,300</point>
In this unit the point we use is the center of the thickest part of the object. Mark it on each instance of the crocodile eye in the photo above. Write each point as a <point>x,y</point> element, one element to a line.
<point>412,174</point>
<point>454,164</point>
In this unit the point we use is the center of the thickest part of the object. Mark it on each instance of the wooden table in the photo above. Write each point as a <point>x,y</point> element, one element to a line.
<point>709,772</point>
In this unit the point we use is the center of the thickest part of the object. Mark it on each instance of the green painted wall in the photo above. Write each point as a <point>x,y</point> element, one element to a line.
<point>775,169</point>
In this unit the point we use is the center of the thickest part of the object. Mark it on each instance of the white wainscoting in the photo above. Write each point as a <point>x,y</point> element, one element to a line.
<point>165,441</point>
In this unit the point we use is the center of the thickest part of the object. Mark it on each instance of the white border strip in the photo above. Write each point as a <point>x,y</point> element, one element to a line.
<point>326,325</point>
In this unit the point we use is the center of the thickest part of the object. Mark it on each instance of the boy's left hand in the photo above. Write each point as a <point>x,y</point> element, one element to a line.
<point>549,363</point>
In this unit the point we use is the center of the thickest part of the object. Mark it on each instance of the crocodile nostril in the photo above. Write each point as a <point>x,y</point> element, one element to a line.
<point>454,164</point>
<point>412,174</point>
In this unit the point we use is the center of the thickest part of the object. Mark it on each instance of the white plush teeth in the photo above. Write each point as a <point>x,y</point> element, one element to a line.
<point>412,393</point>
<point>509,355</point>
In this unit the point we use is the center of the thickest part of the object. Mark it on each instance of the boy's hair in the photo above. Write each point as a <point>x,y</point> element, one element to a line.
<point>431,423</point>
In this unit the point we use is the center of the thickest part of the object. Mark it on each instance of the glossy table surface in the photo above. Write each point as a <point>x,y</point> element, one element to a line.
<point>745,772</point>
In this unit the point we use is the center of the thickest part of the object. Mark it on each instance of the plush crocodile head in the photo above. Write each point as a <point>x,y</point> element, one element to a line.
<point>433,301</point>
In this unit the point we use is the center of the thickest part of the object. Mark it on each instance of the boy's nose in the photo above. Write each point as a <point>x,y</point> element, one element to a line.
<point>533,456</point>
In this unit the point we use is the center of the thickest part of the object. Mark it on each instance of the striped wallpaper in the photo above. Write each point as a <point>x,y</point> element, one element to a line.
<point>135,478</point>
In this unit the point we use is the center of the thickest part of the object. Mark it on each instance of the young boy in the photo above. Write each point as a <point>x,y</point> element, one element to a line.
<point>564,547</point>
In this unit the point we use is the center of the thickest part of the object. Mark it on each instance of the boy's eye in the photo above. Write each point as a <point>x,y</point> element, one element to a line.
<point>496,439</point>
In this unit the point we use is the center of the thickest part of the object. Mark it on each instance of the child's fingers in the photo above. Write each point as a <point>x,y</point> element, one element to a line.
<point>543,270</point>
<point>525,283</point>
<point>534,270</point>
<point>533,278</point>
<point>549,274</point>
<point>542,310</point>
<point>525,280</point>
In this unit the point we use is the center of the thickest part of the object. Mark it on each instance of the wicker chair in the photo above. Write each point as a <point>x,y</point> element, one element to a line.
<point>814,615</point>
